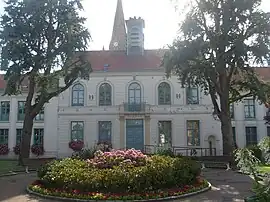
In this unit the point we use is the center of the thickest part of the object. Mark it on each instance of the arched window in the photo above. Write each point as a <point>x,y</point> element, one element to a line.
<point>134,93</point>
<point>78,95</point>
<point>164,94</point>
<point>105,95</point>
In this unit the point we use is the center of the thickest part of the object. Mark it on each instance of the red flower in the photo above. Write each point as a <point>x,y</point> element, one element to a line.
<point>4,150</point>
<point>76,145</point>
<point>37,149</point>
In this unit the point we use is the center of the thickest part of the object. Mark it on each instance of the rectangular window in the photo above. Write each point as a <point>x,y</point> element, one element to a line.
<point>165,133</point>
<point>77,130</point>
<point>38,136</point>
<point>232,111</point>
<point>251,135</point>
<point>249,108</point>
<point>21,110</point>
<point>40,115</point>
<point>105,131</point>
<point>193,133</point>
<point>5,110</point>
<point>234,134</point>
<point>18,136</point>
<point>3,136</point>
<point>192,95</point>
<point>268,131</point>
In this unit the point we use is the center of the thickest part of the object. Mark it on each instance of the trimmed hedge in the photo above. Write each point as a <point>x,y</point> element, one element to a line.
<point>159,172</point>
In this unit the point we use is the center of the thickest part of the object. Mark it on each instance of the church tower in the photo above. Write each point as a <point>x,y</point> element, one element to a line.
<point>119,36</point>
<point>135,36</point>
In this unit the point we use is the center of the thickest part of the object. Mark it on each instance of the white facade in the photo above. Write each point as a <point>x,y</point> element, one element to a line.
<point>59,114</point>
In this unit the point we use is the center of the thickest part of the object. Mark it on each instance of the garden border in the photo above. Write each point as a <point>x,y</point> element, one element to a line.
<point>82,200</point>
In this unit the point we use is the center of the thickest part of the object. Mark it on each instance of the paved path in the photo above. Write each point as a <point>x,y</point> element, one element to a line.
<point>228,186</point>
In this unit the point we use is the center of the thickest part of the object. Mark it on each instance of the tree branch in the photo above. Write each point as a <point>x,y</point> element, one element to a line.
<point>240,97</point>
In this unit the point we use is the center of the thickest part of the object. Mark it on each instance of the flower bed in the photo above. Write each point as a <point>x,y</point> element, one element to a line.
<point>117,157</point>
<point>119,175</point>
<point>38,187</point>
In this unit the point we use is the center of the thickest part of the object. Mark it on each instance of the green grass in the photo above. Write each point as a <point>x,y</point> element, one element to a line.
<point>265,169</point>
<point>9,165</point>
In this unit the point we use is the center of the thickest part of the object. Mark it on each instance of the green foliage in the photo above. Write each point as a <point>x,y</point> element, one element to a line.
<point>250,164</point>
<point>42,47</point>
<point>41,172</point>
<point>165,152</point>
<point>84,154</point>
<point>217,43</point>
<point>38,37</point>
<point>256,151</point>
<point>264,145</point>
<point>159,172</point>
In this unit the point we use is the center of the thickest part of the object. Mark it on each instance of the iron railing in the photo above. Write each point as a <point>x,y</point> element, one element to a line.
<point>184,151</point>
<point>134,107</point>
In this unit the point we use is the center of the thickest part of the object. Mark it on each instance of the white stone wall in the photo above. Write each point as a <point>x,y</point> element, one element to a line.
<point>59,113</point>
<point>49,124</point>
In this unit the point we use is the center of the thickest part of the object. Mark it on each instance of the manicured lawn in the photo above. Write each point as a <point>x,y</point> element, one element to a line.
<point>9,165</point>
<point>265,169</point>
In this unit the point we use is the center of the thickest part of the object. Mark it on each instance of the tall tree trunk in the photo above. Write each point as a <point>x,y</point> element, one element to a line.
<point>227,135</point>
<point>26,138</point>
<point>226,125</point>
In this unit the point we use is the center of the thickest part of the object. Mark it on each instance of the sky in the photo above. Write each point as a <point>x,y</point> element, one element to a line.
<point>161,20</point>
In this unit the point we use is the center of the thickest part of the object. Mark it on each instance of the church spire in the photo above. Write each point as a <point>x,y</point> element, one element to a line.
<point>118,40</point>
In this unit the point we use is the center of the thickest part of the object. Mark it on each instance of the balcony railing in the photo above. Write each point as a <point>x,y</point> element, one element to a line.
<point>134,108</point>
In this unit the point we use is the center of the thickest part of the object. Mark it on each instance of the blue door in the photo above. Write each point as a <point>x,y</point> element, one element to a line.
<point>134,134</point>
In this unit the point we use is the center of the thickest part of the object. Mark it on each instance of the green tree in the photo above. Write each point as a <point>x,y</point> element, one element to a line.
<point>41,44</point>
<point>218,41</point>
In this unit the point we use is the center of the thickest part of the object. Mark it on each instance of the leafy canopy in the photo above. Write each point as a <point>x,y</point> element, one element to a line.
<point>41,41</point>
<point>219,41</point>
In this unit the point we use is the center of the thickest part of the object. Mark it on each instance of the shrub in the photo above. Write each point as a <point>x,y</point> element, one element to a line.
<point>165,152</point>
<point>37,149</point>
<point>16,149</point>
<point>104,146</point>
<point>4,150</point>
<point>157,173</point>
<point>84,154</point>
<point>42,171</point>
<point>76,145</point>
<point>256,151</point>
<point>265,148</point>
<point>116,157</point>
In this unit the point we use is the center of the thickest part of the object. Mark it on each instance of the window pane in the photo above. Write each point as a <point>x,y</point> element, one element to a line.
<point>193,133</point>
<point>38,136</point>
<point>134,93</point>
<point>192,95</point>
<point>18,136</point>
<point>165,133</point>
<point>5,110</point>
<point>105,95</point>
<point>77,130</point>
<point>77,95</point>
<point>105,130</point>
<point>164,94</point>
<point>21,110</point>
<point>251,136</point>
<point>4,136</point>
<point>249,108</point>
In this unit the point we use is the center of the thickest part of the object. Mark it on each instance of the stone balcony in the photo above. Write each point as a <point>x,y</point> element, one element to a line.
<point>136,109</point>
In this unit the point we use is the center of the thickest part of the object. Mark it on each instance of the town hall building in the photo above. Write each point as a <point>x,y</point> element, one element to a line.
<point>129,102</point>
